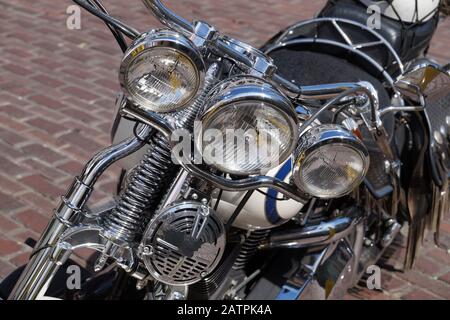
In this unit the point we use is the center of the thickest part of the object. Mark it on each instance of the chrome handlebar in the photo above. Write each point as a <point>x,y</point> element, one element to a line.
<point>169,18</point>
<point>173,21</point>
<point>229,47</point>
<point>261,62</point>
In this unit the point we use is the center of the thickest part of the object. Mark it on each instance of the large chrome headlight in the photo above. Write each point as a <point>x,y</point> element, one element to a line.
<point>330,162</point>
<point>162,71</point>
<point>248,127</point>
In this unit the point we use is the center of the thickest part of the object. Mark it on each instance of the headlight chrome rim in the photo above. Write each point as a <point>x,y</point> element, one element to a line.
<point>243,89</point>
<point>162,39</point>
<point>316,138</point>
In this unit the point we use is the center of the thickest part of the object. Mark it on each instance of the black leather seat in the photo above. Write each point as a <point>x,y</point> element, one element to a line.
<point>409,40</point>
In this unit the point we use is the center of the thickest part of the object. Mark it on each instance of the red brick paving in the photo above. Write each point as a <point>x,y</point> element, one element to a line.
<point>56,107</point>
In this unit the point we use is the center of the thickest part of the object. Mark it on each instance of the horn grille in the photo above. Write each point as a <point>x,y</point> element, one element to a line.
<point>185,242</point>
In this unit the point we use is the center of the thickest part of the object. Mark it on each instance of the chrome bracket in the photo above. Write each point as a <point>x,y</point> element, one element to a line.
<point>90,236</point>
<point>380,136</point>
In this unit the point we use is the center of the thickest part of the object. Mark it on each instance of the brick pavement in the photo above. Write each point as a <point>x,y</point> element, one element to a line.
<point>57,90</point>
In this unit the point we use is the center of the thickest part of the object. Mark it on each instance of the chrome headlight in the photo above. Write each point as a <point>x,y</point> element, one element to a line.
<point>330,162</point>
<point>248,127</point>
<point>162,71</point>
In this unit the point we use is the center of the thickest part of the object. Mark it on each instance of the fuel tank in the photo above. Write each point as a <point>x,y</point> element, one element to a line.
<point>266,208</point>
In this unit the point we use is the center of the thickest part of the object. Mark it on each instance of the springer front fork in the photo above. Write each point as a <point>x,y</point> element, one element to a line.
<point>71,227</point>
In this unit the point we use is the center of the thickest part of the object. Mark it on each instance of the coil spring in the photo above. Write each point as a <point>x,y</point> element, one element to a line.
<point>249,247</point>
<point>144,186</point>
<point>147,183</point>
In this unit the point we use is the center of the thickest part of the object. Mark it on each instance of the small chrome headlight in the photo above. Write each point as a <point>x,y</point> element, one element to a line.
<point>330,162</point>
<point>248,127</point>
<point>161,71</point>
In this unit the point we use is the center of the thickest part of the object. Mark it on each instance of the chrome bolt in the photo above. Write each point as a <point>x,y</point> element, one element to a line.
<point>438,137</point>
<point>147,251</point>
<point>368,242</point>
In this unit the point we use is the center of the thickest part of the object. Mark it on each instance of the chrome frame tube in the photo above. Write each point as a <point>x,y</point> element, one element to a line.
<point>250,183</point>
<point>350,88</point>
<point>401,108</point>
<point>357,247</point>
<point>150,118</point>
<point>49,253</point>
<point>311,236</point>
<point>333,263</point>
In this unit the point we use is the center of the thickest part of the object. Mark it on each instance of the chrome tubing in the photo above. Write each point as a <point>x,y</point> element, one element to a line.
<point>171,20</point>
<point>365,87</point>
<point>49,253</point>
<point>150,118</point>
<point>168,17</point>
<point>401,108</point>
<point>246,184</point>
<point>326,91</point>
<point>233,54</point>
<point>334,91</point>
<point>314,92</point>
<point>310,236</point>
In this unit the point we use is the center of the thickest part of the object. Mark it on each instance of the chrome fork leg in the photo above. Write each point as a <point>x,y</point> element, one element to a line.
<point>50,253</point>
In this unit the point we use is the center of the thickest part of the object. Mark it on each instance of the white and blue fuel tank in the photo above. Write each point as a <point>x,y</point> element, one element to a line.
<point>265,209</point>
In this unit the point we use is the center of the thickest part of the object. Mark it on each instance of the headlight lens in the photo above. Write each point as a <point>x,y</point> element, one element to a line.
<point>162,71</point>
<point>248,127</point>
<point>330,162</point>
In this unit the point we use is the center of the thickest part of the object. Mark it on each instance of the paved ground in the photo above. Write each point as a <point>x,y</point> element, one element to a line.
<point>56,98</point>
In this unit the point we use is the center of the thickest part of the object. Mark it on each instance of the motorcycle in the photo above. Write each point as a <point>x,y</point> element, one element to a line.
<point>339,137</point>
